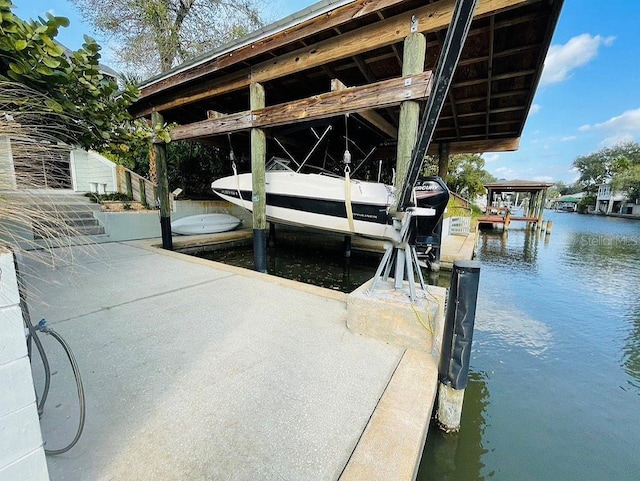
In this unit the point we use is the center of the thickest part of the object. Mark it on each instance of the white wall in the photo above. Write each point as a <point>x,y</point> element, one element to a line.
<point>446,224</point>
<point>7,174</point>
<point>21,451</point>
<point>90,167</point>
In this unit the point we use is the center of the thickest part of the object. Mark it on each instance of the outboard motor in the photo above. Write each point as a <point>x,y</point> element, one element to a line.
<point>430,192</point>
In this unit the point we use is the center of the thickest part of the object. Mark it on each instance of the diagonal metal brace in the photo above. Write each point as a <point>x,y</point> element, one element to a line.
<point>445,69</point>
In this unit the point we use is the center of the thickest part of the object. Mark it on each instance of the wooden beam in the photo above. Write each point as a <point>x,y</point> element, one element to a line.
<point>205,128</point>
<point>371,116</point>
<point>504,76</point>
<point>430,18</point>
<point>353,100</point>
<point>478,146</point>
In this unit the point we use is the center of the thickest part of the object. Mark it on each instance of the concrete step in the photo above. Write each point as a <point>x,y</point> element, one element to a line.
<point>71,222</point>
<point>44,232</point>
<point>71,215</point>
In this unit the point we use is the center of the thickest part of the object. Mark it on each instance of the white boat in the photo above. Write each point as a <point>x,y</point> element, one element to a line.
<point>204,224</point>
<point>320,200</point>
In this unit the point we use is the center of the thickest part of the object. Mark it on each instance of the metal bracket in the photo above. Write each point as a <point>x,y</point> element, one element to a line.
<point>414,24</point>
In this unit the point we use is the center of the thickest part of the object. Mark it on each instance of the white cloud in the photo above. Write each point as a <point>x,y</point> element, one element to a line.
<point>621,128</point>
<point>544,178</point>
<point>628,121</point>
<point>505,173</point>
<point>535,108</point>
<point>569,138</point>
<point>488,158</point>
<point>620,138</point>
<point>563,59</point>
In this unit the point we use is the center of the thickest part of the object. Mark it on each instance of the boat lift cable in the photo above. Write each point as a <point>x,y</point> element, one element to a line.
<point>445,69</point>
<point>346,159</point>
<point>32,332</point>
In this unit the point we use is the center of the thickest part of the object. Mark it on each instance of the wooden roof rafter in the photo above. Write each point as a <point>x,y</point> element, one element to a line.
<point>488,102</point>
<point>430,18</point>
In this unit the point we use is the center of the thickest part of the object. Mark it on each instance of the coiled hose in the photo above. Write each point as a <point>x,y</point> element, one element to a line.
<point>32,335</point>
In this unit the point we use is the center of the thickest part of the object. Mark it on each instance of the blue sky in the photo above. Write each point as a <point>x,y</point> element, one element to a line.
<point>589,97</point>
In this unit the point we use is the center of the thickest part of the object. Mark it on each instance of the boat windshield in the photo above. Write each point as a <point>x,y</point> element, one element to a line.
<point>277,163</point>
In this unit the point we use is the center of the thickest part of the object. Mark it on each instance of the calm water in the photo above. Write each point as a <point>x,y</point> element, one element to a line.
<point>554,389</point>
<point>301,257</point>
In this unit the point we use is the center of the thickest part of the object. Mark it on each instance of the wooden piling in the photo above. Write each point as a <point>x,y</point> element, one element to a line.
<point>415,48</point>
<point>258,197</point>
<point>443,160</point>
<point>457,337</point>
<point>160,150</point>
<point>543,200</point>
<point>549,226</point>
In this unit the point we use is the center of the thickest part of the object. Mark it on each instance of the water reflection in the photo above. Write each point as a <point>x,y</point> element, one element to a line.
<point>318,263</point>
<point>558,330</point>
<point>522,249</point>
<point>507,324</point>
<point>631,352</point>
<point>318,260</point>
<point>608,263</point>
<point>449,457</point>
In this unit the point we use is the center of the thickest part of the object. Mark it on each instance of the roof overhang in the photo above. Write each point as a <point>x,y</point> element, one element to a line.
<point>357,47</point>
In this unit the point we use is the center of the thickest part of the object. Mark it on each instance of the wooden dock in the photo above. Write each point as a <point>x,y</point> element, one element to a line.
<point>505,220</point>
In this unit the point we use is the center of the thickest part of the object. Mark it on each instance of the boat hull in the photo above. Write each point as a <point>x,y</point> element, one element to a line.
<point>317,201</point>
<point>205,224</point>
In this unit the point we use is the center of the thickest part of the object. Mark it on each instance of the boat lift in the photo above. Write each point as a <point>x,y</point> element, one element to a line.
<point>403,253</point>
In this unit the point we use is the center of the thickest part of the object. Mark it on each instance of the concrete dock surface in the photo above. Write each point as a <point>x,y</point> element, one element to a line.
<point>458,247</point>
<point>194,370</point>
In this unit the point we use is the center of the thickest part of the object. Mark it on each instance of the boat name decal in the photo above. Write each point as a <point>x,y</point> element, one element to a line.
<point>229,192</point>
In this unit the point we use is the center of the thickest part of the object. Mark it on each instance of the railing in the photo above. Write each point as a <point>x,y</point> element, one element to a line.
<point>460,226</point>
<point>137,187</point>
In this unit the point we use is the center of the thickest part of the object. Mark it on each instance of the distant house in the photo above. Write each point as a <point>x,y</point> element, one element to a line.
<point>610,202</point>
<point>25,165</point>
<point>567,203</point>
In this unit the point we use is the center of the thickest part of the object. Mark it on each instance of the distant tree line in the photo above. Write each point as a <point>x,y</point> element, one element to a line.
<point>618,165</point>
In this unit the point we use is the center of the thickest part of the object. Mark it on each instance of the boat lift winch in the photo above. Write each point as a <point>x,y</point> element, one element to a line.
<point>410,218</point>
